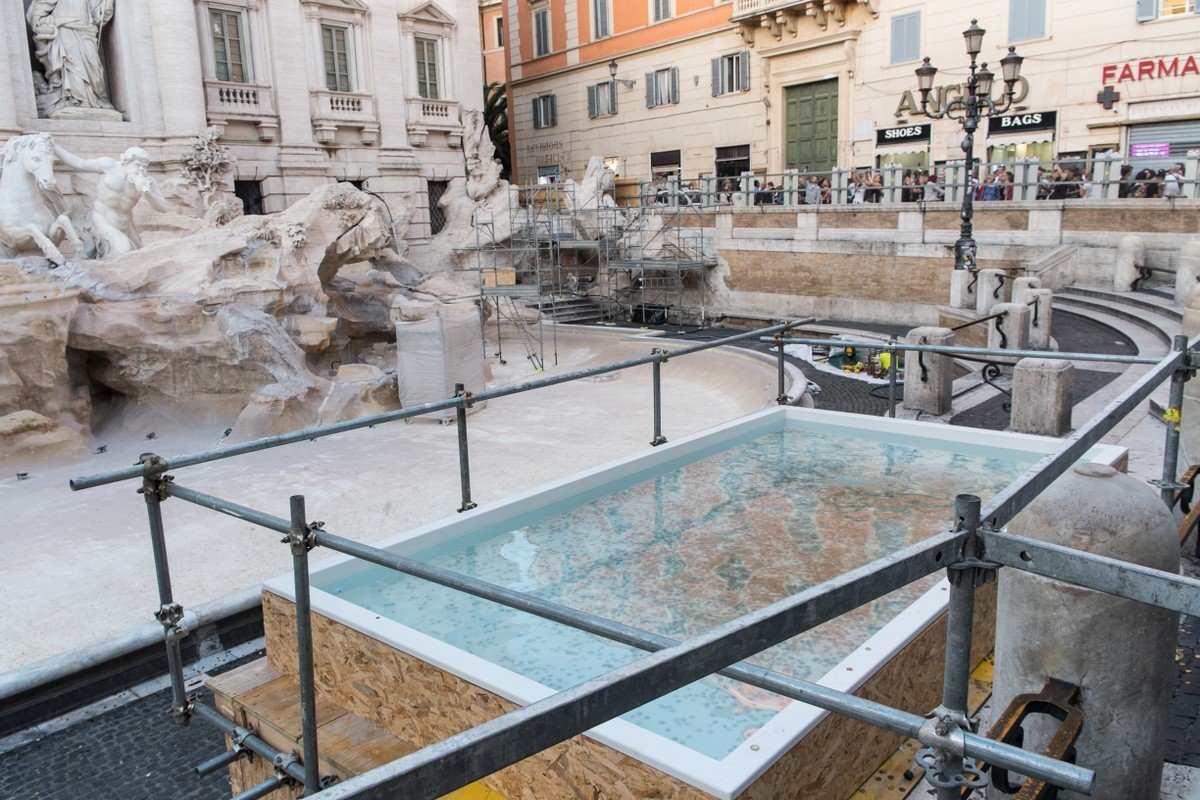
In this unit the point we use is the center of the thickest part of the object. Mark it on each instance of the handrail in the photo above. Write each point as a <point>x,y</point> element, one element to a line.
<point>957,350</point>
<point>978,321</point>
<point>317,432</point>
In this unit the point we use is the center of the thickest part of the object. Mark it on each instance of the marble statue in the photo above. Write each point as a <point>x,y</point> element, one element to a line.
<point>483,169</point>
<point>31,208</point>
<point>123,183</point>
<point>66,35</point>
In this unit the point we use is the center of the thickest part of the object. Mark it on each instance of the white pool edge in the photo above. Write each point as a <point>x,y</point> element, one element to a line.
<point>730,776</point>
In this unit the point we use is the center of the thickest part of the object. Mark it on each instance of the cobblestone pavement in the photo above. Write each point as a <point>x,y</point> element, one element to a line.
<point>1183,729</point>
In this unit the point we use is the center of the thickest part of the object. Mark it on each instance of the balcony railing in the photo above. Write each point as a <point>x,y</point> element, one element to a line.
<point>433,114</point>
<point>818,9</point>
<point>244,99</point>
<point>348,107</point>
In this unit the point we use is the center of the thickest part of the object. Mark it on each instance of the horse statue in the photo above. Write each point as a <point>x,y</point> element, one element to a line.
<point>32,218</point>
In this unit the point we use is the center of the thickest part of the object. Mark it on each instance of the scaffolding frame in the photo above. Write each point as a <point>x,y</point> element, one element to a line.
<point>971,551</point>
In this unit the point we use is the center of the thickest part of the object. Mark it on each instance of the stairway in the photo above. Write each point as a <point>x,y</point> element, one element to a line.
<point>570,310</point>
<point>1151,311</point>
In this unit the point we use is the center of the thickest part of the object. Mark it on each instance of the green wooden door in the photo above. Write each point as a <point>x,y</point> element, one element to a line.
<point>811,126</point>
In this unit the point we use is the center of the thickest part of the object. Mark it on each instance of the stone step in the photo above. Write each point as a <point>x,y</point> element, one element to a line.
<point>1155,303</point>
<point>1157,325</point>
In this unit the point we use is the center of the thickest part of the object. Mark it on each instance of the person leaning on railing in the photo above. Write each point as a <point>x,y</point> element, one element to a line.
<point>1172,185</point>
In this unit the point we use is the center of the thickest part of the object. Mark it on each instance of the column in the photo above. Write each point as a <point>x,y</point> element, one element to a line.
<point>1042,396</point>
<point>928,377</point>
<point>178,67</point>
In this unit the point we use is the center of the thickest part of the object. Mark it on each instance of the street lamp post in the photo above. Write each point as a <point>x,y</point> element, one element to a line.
<point>974,104</point>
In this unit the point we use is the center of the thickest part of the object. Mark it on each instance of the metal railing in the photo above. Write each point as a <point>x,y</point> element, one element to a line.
<point>971,552</point>
<point>1105,176</point>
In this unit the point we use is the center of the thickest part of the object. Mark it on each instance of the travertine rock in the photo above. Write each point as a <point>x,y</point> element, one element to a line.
<point>35,317</point>
<point>26,435</point>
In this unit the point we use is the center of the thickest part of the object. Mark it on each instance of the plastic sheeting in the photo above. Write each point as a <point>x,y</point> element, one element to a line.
<point>435,354</point>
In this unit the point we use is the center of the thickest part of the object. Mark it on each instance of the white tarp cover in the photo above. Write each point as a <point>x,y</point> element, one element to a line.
<point>434,354</point>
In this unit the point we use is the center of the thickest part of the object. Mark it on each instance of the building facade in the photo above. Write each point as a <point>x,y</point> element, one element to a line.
<point>697,87</point>
<point>494,36</point>
<point>304,92</point>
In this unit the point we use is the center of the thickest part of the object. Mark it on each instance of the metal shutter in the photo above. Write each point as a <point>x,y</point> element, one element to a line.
<point>591,100</point>
<point>674,98</point>
<point>1183,136</point>
<point>651,93</point>
<point>716,76</point>
<point>743,71</point>
<point>553,111</point>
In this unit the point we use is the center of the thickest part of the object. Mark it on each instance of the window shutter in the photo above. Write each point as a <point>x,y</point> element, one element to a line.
<point>716,76</point>
<point>537,123</point>
<point>553,111</point>
<point>651,95</point>
<point>674,98</point>
<point>1026,19</point>
<point>898,40</point>
<point>1146,10</point>
<point>591,100</point>
<point>743,69</point>
<point>612,97</point>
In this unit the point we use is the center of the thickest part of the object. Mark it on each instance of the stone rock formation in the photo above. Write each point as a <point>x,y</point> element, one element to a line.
<point>35,319</point>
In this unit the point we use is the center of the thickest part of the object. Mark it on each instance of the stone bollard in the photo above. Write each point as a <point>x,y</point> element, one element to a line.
<point>928,377</point>
<point>1022,287</point>
<point>1043,394</point>
<point>1040,315</point>
<point>990,290</point>
<point>1131,254</point>
<point>1011,331</point>
<point>1120,652</point>
<point>1187,271</point>
<point>962,294</point>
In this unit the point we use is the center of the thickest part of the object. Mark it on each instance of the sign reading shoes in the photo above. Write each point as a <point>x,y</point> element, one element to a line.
<point>903,135</point>
<point>1018,123</point>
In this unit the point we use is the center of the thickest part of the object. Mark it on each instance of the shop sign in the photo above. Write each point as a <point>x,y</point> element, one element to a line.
<point>1149,69</point>
<point>1150,150</point>
<point>1018,123</point>
<point>940,96</point>
<point>903,134</point>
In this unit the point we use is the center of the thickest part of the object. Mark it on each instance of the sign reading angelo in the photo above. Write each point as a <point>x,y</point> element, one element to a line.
<point>902,135</point>
<point>1149,69</point>
<point>941,95</point>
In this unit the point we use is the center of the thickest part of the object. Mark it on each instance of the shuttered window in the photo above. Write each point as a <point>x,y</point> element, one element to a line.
<point>662,87</point>
<point>602,99</point>
<point>335,40</point>
<point>662,10</point>
<point>499,32</point>
<point>1026,19</point>
<point>1170,8</point>
<point>427,68</point>
<point>906,37</point>
<point>601,16</point>
<point>541,31</point>
<point>229,58</point>
<point>545,111</point>
<point>731,73</point>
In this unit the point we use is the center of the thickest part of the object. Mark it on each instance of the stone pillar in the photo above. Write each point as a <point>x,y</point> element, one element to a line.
<point>1131,254</point>
<point>1042,396</point>
<point>985,290</point>
<point>1120,652</point>
<point>1187,271</point>
<point>179,72</point>
<point>1189,438</point>
<point>1040,315</point>
<point>928,377</point>
<point>960,295</point>
<point>1021,287</point>
<point>1011,331</point>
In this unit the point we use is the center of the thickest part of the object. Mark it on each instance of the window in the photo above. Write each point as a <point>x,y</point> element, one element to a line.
<point>662,87</point>
<point>251,195</point>
<point>437,214</point>
<point>1153,9</point>
<point>229,53</point>
<point>499,31</point>
<point>427,68</point>
<point>731,162</point>
<point>541,31</point>
<point>731,73</point>
<point>601,14</point>
<point>545,111</point>
<point>1026,19</point>
<point>548,174</point>
<point>906,37</point>
<point>662,9</point>
<point>602,99</point>
<point>664,164</point>
<point>335,40</point>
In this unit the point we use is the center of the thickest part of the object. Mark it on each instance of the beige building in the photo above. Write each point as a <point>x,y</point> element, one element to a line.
<point>703,88</point>
<point>304,91</point>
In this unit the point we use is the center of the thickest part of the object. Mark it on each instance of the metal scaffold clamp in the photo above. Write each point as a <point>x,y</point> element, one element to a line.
<point>154,478</point>
<point>304,539</point>
<point>942,758</point>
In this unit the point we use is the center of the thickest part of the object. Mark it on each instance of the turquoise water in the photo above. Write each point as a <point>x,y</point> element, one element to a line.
<point>704,542</point>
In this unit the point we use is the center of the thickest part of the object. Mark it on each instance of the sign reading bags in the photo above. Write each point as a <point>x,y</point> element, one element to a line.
<point>903,134</point>
<point>1018,123</point>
